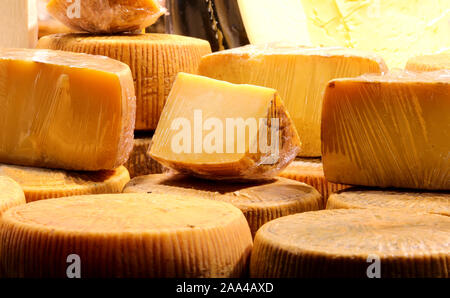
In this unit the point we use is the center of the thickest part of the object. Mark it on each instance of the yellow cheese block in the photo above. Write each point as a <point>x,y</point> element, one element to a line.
<point>41,184</point>
<point>218,130</point>
<point>140,163</point>
<point>299,74</point>
<point>429,62</point>
<point>356,243</point>
<point>125,236</point>
<point>259,201</point>
<point>388,131</point>
<point>19,24</point>
<point>106,16</point>
<point>65,110</point>
<point>360,198</point>
<point>154,60</point>
<point>11,194</point>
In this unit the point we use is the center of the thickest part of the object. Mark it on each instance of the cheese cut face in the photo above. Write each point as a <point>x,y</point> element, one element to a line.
<point>65,110</point>
<point>299,74</point>
<point>106,16</point>
<point>360,198</point>
<point>218,130</point>
<point>126,236</point>
<point>429,62</point>
<point>41,184</point>
<point>345,243</point>
<point>388,131</point>
<point>259,201</point>
<point>140,163</point>
<point>19,23</point>
<point>11,194</point>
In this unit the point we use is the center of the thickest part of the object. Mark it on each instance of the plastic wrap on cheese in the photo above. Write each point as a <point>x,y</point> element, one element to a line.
<point>65,110</point>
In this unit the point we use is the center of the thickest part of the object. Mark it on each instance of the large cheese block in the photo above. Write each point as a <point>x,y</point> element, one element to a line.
<point>353,243</point>
<point>19,24</point>
<point>125,236</point>
<point>41,184</point>
<point>154,60</point>
<point>429,62</point>
<point>388,131</point>
<point>65,110</point>
<point>299,74</point>
<point>140,163</point>
<point>11,194</point>
<point>218,130</point>
<point>360,198</point>
<point>259,201</point>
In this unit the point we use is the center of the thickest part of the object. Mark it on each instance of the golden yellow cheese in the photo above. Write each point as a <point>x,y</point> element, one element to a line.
<point>19,24</point>
<point>154,60</point>
<point>140,163</point>
<point>125,236</point>
<point>299,74</point>
<point>388,131</point>
<point>429,62</point>
<point>65,110</point>
<point>218,130</point>
<point>106,16</point>
<point>11,194</point>
<point>259,201</point>
<point>41,184</point>
<point>356,243</point>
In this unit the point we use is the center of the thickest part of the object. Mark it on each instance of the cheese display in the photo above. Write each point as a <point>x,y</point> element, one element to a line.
<point>259,201</point>
<point>388,131</point>
<point>140,163</point>
<point>396,29</point>
<point>429,62</point>
<point>106,16</point>
<point>360,198</point>
<point>218,130</point>
<point>127,236</point>
<point>41,184</point>
<point>299,74</point>
<point>65,110</point>
<point>19,24</point>
<point>11,194</point>
<point>353,243</point>
<point>154,59</point>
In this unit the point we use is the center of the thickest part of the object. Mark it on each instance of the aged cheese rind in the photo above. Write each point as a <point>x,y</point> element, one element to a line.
<point>299,74</point>
<point>140,163</point>
<point>65,110</point>
<point>154,60</point>
<point>40,184</point>
<point>259,201</point>
<point>388,131</point>
<point>19,23</point>
<point>11,194</point>
<point>429,62</point>
<point>345,242</point>
<point>126,235</point>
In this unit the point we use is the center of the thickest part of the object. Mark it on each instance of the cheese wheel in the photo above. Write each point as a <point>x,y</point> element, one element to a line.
<point>352,243</point>
<point>41,184</point>
<point>429,62</point>
<point>11,194</point>
<point>359,198</point>
<point>140,163</point>
<point>259,201</point>
<point>126,236</point>
<point>154,59</point>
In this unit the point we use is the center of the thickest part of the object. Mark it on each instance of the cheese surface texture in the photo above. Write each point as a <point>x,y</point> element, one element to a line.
<point>299,74</point>
<point>11,194</point>
<point>65,110</point>
<point>345,242</point>
<point>259,201</point>
<point>429,62</point>
<point>140,163</point>
<point>218,130</point>
<point>388,131</point>
<point>154,60</point>
<point>125,236</point>
<point>19,23</point>
<point>41,184</point>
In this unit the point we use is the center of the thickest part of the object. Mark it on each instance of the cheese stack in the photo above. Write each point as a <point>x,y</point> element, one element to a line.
<point>11,194</point>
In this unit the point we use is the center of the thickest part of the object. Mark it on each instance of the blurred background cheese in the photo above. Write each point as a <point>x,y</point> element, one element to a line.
<point>11,194</point>
<point>47,24</point>
<point>429,62</point>
<point>140,163</point>
<point>19,24</point>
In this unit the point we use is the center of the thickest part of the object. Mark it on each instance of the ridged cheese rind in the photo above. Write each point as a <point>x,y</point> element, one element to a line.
<point>429,62</point>
<point>140,163</point>
<point>11,194</point>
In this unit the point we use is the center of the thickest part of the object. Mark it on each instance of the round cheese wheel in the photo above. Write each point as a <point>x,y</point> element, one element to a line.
<point>11,194</point>
<point>429,62</point>
<point>140,163</point>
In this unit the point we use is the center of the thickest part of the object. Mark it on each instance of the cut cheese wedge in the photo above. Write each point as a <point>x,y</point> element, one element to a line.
<point>126,235</point>
<point>41,184</point>
<point>218,130</point>
<point>154,60</point>
<point>65,110</point>
<point>259,201</point>
<point>353,243</point>
<point>388,131</point>
<point>140,163</point>
<point>429,62</point>
<point>19,24</point>
<point>11,194</point>
<point>299,74</point>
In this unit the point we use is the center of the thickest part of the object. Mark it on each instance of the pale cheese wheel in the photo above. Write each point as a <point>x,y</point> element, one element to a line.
<point>11,194</point>
<point>429,62</point>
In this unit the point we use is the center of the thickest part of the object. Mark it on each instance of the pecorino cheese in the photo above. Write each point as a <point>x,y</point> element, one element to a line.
<point>429,62</point>
<point>125,236</point>
<point>11,194</point>
<point>140,163</point>
<point>65,110</point>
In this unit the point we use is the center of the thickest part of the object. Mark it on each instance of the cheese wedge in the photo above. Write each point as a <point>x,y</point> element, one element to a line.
<point>429,62</point>
<point>154,60</point>
<point>19,23</point>
<point>353,243</point>
<point>41,184</point>
<point>11,194</point>
<point>217,130</point>
<point>388,131</point>
<point>299,74</point>
<point>140,163</point>
<point>65,110</point>
<point>259,201</point>
<point>125,236</point>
